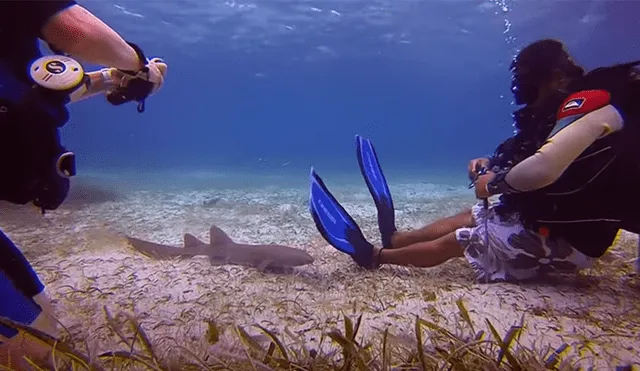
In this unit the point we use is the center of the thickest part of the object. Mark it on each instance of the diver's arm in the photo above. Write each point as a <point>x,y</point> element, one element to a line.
<point>100,82</point>
<point>76,31</point>
<point>590,116</point>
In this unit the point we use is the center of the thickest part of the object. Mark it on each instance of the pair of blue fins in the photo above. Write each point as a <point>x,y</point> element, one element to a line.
<point>335,224</point>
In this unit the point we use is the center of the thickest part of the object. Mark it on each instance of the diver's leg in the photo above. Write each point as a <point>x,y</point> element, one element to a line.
<point>513,252</point>
<point>433,231</point>
<point>23,300</point>
<point>15,266</point>
<point>14,344</point>
<point>424,254</point>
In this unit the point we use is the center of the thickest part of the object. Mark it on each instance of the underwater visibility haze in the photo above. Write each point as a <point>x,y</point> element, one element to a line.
<point>277,86</point>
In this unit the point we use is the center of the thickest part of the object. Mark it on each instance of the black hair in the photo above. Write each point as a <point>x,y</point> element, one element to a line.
<point>542,57</point>
<point>536,63</point>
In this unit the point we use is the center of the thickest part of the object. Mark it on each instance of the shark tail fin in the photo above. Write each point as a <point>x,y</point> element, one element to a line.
<point>218,237</point>
<point>191,240</point>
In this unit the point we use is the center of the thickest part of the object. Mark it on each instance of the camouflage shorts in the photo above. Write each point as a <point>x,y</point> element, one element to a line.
<point>514,253</point>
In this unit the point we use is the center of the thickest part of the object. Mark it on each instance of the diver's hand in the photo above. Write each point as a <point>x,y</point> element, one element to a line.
<point>475,165</point>
<point>154,73</point>
<point>481,185</point>
<point>137,85</point>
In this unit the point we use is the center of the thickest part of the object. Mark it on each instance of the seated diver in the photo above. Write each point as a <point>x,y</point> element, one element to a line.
<point>34,92</point>
<point>572,149</point>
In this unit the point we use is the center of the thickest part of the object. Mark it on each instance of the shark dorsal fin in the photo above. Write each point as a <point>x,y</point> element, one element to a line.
<point>218,237</point>
<point>191,240</point>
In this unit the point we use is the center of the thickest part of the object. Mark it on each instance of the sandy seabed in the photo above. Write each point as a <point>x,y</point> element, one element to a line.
<point>80,253</point>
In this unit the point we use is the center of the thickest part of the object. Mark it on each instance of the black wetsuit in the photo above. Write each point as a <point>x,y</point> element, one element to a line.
<point>600,192</point>
<point>20,25</point>
<point>29,137</point>
<point>21,22</point>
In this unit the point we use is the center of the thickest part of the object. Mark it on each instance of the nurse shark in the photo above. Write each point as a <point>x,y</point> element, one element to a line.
<point>222,250</point>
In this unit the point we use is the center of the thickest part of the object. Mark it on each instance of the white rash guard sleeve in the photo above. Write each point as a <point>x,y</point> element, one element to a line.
<point>582,119</point>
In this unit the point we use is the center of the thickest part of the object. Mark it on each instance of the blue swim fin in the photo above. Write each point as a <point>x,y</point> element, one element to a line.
<point>336,225</point>
<point>18,269</point>
<point>377,184</point>
<point>15,305</point>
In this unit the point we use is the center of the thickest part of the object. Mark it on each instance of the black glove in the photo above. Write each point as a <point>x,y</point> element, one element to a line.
<point>137,89</point>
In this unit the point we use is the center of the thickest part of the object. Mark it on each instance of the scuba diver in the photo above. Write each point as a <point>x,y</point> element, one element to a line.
<point>34,92</point>
<point>568,180</point>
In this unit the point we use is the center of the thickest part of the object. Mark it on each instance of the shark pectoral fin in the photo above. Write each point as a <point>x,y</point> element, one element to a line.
<point>217,261</point>
<point>191,240</point>
<point>219,257</point>
<point>218,254</point>
<point>218,237</point>
<point>264,264</point>
<point>153,250</point>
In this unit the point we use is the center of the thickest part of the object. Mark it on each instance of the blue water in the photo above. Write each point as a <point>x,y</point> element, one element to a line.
<point>272,88</point>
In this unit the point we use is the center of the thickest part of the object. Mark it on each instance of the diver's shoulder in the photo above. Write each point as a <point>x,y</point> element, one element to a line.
<point>621,81</point>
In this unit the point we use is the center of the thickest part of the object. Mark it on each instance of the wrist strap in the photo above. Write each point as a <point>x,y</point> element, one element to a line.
<point>141,58</point>
<point>499,184</point>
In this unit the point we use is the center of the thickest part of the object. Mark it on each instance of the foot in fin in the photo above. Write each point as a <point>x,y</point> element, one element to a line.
<point>377,184</point>
<point>336,225</point>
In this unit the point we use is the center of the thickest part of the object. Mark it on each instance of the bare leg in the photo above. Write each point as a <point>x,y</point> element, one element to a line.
<point>433,231</point>
<point>424,254</point>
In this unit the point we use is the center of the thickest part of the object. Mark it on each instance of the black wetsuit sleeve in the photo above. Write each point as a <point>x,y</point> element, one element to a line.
<point>30,16</point>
